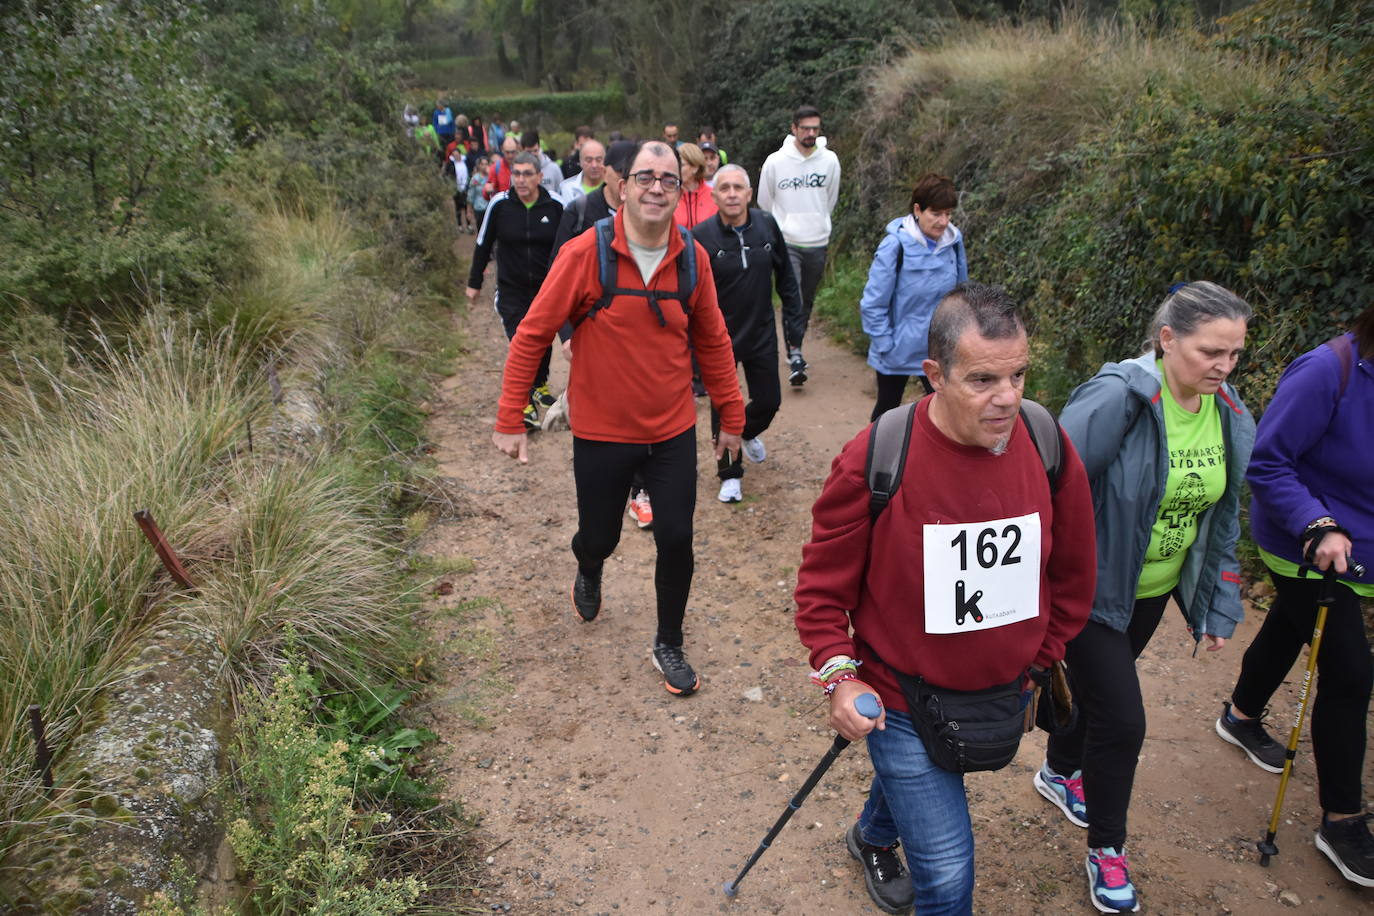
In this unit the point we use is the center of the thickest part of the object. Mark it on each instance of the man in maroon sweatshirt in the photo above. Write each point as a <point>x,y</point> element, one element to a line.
<point>973,526</point>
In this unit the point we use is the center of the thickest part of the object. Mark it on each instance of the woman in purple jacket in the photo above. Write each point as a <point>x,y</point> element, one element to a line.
<point>1310,476</point>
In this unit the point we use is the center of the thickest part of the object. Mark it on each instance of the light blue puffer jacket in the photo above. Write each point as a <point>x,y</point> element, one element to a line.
<point>898,325</point>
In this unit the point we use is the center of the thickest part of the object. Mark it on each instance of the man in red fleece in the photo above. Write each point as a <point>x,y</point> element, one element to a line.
<point>975,519</point>
<point>630,400</point>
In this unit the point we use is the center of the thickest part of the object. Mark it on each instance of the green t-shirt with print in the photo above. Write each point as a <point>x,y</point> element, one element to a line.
<point>1197,478</point>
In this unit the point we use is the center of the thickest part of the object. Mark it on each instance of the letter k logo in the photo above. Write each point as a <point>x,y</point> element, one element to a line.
<point>964,607</point>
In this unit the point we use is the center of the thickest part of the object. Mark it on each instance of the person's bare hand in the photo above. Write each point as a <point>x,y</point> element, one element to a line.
<point>1214,643</point>
<point>728,442</point>
<point>514,444</point>
<point>847,720</point>
<point>567,349</point>
<point>470,293</point>
<point>1334,548</point>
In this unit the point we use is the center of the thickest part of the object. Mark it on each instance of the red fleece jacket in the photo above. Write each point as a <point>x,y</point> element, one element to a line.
<point>631,377</point>
<point>871,576</point>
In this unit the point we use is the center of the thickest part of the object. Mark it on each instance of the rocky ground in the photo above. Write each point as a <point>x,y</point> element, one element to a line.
<point>600,793</point>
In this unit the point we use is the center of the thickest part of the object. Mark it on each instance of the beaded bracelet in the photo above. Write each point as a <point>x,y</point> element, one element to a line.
<point>837,664</point>
<point>830,685</point>
<point>821,678</point>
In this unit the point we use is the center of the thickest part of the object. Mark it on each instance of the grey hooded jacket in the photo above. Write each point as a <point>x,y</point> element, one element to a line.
<point>1116,423</point>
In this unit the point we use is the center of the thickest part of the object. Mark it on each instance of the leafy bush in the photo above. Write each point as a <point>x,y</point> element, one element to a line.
<point>1098,166</point>
<point>109,135</point>
<point>795,52</point>
<point>306,843</point>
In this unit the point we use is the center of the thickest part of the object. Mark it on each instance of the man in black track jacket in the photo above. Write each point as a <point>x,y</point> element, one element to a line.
<point>521,224</point>
<point>748,258</point>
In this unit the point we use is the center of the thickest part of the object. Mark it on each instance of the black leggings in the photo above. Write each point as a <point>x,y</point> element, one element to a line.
<point>890,391</point>
<point>1344,676</point>
<point>603,471</point>
<point>765,397</point>
<point>1106,743</point>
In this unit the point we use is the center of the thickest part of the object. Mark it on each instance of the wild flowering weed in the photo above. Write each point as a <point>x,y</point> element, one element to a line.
<point>305,843</point>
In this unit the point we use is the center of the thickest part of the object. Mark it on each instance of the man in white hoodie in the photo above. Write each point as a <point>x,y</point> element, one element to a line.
<point>799,185</point>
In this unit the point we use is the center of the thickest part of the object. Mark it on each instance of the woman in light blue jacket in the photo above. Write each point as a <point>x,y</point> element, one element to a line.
<point>919,260</point>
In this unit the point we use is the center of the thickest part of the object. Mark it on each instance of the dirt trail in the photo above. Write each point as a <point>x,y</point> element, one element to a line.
<point>600,793</point>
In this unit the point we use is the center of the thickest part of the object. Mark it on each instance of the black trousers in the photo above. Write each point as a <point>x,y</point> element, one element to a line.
<point>602,471</point>
<point>890,391</point>
<point>1345,674</point>
<point>512,311</point>
<point>1106,743</point>
<point>765,397</point>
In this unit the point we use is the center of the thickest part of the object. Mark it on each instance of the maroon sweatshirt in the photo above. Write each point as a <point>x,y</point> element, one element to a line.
<point>871,576</point>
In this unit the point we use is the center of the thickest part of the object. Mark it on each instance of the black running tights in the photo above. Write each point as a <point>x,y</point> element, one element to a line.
<point>1106,743</point>
<point>890,391</point>
<point>603,471</point>
<point>1344,675</point>
<point>765,397</point>
<point>512,313</point>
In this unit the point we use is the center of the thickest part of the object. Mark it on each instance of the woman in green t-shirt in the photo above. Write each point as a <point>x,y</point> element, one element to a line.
<point>1165,442</point>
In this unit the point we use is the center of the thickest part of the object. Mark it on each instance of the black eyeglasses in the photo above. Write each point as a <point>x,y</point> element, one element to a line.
<point>646,179</point>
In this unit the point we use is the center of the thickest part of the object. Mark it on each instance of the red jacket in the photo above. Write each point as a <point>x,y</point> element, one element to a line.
<point>872,576</point>
<point>631,377</point>
<point>694,206</point>
<point>498,176</point>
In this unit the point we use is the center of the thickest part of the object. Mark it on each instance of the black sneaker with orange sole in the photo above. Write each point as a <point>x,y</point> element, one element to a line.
<point>678,677</point>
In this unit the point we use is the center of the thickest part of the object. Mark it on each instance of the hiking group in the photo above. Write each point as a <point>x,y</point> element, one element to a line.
<point>966,550</point>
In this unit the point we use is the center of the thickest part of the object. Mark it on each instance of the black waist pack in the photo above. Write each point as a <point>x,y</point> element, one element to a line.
<point>966,731</point>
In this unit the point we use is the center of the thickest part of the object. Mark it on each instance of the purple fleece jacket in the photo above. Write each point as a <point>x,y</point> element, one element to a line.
<point>1314,455</point>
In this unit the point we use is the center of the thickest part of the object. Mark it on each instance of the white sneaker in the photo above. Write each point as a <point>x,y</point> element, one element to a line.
<point>754,450</point>
<point>730,491</point>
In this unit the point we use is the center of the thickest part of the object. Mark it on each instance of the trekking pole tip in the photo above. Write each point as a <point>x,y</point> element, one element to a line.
<point>1267,851</point>
<point>731,890</point>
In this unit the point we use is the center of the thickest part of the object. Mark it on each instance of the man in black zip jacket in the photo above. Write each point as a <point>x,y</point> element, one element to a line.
<point>748,258</point>
<point>524,221</point>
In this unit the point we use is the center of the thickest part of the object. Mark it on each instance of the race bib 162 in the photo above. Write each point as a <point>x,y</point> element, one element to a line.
<point>982,575</point>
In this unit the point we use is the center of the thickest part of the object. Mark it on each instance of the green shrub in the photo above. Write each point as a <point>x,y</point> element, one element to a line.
<point>1099,165</point>
<point>110,133</point>
<point>565,109</point>
<point>305,842</point>
<point>795,52</point>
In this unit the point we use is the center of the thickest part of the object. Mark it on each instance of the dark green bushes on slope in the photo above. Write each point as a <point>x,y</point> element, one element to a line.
<point>1098,167</point>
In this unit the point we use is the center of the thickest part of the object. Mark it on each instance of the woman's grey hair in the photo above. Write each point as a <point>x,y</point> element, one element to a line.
<point>1190,306</point>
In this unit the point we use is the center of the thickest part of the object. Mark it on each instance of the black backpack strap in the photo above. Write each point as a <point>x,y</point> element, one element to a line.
<point>580,207</point>
<point>888,439</point>
<point>1345,351</point>
<point>606,270</point>
<point>1045,433</point>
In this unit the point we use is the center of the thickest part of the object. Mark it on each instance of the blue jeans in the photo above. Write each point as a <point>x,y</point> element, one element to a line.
<point>925,806</point>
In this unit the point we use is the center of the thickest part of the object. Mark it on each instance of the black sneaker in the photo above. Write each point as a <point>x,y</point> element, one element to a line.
<point>586,596</point>
<point>1249,735</point>
<point>678,676</point>
<point>885,874</point>
<point>1347,843</point>
<point>797,365</point>
<point>541,396</point>
<point>531,418</point>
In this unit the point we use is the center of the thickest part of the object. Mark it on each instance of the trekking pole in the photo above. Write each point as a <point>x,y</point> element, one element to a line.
<point>1267,849</point>
<point>867,705</point>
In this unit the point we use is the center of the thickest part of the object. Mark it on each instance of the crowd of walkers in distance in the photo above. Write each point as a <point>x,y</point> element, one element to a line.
<point>970,554</point>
